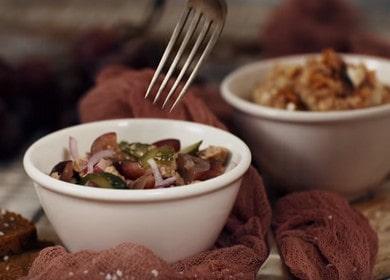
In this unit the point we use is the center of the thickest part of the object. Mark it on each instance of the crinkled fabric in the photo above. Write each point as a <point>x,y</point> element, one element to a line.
<point>321,237</point>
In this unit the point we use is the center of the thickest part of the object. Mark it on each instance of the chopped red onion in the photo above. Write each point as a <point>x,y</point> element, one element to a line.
<point>73,149</point>
<point>167,182</point>
<point>94,159</point>
<point>103,164</point>
<point>156,172</point>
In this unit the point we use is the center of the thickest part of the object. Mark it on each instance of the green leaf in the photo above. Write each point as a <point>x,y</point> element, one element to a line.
<point>192,149</point>
<point>162,155</point>
<point>136,150</point>
<point>104,180</point>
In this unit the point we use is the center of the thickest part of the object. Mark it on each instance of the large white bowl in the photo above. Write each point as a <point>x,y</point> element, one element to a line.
<point>344,151</point>
<point>174,222</point>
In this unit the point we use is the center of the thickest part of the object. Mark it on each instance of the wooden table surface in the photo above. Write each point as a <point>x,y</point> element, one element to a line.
<point>377,210</point>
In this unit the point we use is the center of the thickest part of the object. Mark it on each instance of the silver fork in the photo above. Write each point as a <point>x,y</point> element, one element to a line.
<point>212,13</point>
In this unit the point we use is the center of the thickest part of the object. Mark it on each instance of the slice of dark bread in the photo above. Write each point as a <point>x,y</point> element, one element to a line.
<point>16,234</point>
<point>17,266</point>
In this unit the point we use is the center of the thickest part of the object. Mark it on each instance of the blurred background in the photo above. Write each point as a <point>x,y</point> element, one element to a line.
<point>50,51</point>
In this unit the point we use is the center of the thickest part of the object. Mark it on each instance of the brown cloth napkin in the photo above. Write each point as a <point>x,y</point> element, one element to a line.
<point>241,247</point>
<point>321,237</point>
<point>301,26</point>
<point>119,93</point>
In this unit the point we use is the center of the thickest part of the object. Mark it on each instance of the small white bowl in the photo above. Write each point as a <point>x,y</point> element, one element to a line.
<point>174,222</point>
<point>344,151</point>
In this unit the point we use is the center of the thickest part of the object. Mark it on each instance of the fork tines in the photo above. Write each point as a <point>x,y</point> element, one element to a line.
<point>197,19</point>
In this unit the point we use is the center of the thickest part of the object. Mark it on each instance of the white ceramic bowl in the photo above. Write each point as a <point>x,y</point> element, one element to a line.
<point>174,222</point>
<point>344,151</point>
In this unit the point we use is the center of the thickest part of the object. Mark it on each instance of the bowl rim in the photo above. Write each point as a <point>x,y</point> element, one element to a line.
<point>65,188</point>
<point>297,116</point>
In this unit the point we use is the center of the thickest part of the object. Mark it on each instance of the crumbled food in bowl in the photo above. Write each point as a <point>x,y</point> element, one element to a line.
<point>324,83</point>
<point>125,165</point>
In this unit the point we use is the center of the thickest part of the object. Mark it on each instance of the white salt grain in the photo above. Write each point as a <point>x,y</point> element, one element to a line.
<point>5,258</point>
<point>154,273</point>
<point>85,271</point>
<point>71,274</point>
<point>330,217</point>
<point>108,276</point>
<point>6,225</point>
<point>1,233</point>
<point>119,273</point>
<point>291,107</point>
<point>7,268</point>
